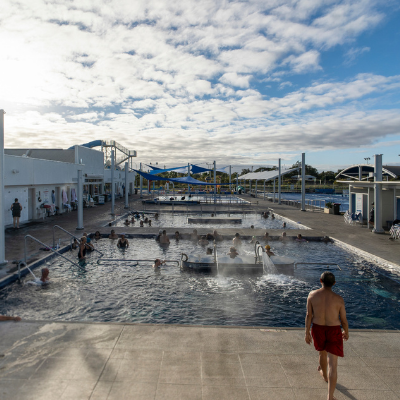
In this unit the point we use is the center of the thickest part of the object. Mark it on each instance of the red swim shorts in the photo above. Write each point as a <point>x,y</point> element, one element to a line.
<point>328,338</point>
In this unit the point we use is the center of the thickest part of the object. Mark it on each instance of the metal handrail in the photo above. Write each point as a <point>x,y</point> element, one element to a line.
<point>45,245</point>
<point>72,235</point>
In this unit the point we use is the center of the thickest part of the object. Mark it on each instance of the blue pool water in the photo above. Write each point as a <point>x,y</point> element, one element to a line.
<point>333,198</point>
<point>121,292</point>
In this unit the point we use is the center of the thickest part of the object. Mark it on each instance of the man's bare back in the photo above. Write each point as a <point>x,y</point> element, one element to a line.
<point>326,306</point>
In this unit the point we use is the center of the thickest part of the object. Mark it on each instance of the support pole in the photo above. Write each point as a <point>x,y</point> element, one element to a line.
<point>303,181</point>
<point>360,173</point>
<point>141,182</point>
<point>80,200</point>
<point>368,206</point>
<point>264,189</point>
<point>188,177</point>
<point>255,189</point>
<point>126,185</point>
<point>215,181</point>
<point>3,261</point>
<point>230,178</point>
<point>112,183</point>
<point>394,204</point>
<point>274,190</point>
<point>279,182</point>
<point>378,195</point>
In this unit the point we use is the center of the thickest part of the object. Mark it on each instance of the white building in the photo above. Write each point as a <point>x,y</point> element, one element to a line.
<point>32,174</point>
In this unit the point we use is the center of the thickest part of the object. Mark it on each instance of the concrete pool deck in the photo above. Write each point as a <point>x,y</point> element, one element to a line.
<point>59,360</point>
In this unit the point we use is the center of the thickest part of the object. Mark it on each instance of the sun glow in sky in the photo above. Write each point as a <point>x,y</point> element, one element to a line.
<point>236,82</point>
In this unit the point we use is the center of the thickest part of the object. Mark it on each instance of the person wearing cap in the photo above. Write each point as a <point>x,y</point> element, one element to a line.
<point>253,239</point>
<point>232,253</point>
<point>268,250</point>
<point>123,243</point>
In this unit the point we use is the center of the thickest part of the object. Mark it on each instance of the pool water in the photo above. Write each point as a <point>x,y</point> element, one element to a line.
<point>123,292</point>
<point>168,220</point>
<point>205,198</point>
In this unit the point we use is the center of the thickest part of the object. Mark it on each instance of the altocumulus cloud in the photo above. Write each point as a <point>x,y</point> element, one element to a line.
<point>179,80</point>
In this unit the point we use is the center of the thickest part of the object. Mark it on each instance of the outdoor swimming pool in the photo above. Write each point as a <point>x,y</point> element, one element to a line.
<point>120,292</point>
<point>168,220</point>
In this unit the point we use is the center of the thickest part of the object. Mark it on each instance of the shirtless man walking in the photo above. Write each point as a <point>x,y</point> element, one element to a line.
<point>326,312</point>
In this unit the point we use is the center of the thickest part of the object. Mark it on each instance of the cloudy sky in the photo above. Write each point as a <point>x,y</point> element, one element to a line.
<point>239,82</point>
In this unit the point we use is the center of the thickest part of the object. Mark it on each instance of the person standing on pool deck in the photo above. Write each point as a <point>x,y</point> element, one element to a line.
<point>16,209</point>
<point>326,312</point>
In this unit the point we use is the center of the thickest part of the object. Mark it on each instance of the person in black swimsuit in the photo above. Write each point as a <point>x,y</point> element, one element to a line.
<point>82,249</point>
<point>16,209</point>
<point>123,242</point>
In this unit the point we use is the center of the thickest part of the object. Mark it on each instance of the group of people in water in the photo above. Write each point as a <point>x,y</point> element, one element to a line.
<point>140,218</point>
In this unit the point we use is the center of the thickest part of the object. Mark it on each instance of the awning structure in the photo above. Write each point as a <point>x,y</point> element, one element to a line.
<point>266,175</point>
<point>195,169</point>
<point>367,170</point>
<point>188,180</point>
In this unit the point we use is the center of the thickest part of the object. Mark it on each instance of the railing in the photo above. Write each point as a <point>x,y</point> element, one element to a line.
<point>45,245</point>
<point>133,260</point>
<point>73,236</point>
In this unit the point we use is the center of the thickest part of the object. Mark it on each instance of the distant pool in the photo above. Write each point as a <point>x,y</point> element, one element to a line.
<point>121,292</point>
<point>333,198</point>
<point>168,220</point>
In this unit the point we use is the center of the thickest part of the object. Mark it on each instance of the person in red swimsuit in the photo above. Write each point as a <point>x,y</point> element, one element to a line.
<point>327,313</point>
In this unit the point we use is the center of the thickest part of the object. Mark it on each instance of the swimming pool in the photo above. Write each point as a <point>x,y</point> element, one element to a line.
<point>169,220</point>
<point>120,292</point>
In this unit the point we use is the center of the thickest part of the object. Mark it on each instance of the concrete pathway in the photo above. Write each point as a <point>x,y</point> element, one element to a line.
<point>46,361</point>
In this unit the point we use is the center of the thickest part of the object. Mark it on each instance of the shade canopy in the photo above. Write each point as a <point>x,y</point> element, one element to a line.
<point>266,175</point>
<point>188,180</point>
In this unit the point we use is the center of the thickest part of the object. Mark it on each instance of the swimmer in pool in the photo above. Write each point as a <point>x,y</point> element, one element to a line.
<point>284,225</point>
<point>300,238</point>
<point>97,235</point>
<point>268,250</point>
<point>113,235</point>
<point>203,241</point>
<point>232,252</point>
<point>253,239</point>
<point>157,263</point>
<point>217,236</point>
<point>75,244</point>
<point>45,275</point>
<point>266,236</point>
<point>177,235</point>
<point>123,243</point>
<point>252,227</point>
<point>209,251</point>
<point>194,236</point>
<point>126,223</point>
<point>141,223</point>
<point>164,239</point>
<point>283,237</point>
<point>82,249</point>
<point>272,216</point>
<point>156,216</point>
<point>236,241</point>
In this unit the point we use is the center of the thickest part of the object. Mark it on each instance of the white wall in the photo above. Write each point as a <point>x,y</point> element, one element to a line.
<point>93,160</point>
<point>24,173</point>
<point>21,171</point>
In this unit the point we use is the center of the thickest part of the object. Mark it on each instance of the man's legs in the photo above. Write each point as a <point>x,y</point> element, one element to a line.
<point>323,364</point>
<point>18,222</point>
<point>332,374</point>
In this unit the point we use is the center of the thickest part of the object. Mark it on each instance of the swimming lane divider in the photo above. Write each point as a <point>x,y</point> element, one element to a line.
<point>314,263</point>
<point>99,261</point>
<point>45,245</point>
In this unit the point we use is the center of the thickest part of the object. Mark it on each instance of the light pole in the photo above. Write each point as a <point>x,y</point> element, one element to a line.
<point>367,159</point>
